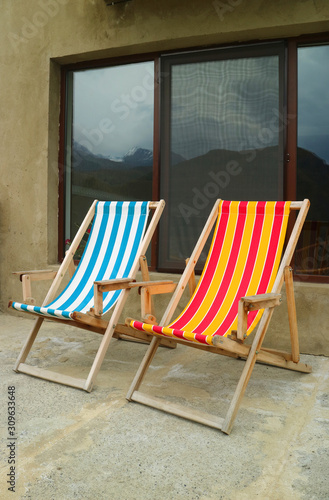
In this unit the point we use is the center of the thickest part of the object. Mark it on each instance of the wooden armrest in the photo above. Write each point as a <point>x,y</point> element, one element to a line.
<point>152,287</point>
<point>253,302</point>
<point>107,286</point>
<point>146,290</point>
<point>157,287</point>
<point>120,284</point>
<point>116,284</point>
<point>37,275</point>
<point>261,301</point>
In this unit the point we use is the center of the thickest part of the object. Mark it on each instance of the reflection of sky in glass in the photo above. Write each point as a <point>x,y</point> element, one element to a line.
<point>113,108</point>
<point>229,104</point>
<point>313,100</point>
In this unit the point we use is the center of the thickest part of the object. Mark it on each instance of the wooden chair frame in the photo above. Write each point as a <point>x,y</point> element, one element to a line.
<point>233,346</point>
<point>92,321</point>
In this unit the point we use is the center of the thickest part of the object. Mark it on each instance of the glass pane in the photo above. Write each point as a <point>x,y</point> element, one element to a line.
<point>111,140</point>
<point>312,255</point>
<point>225,142</point>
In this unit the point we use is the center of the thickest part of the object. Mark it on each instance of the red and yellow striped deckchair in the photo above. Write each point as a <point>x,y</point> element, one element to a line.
<point>238,289</point>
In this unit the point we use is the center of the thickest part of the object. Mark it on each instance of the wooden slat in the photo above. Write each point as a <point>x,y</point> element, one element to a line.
<point>286,355</point>
<point>191,281</point>
<point>159,207</point>
<point>242,321</point>
<point>271,358</point>
<point>146,305</point>
<point>90,320</point>
<point>179,410</point>
<point>110,285</point>
<point>98,301</point>
<point>296,205</point>
<point>71,268</point>
<point>160,287</point>
<point>290,248</point>
<point>230,345</point>
<point>51,376</point>
<point>43,276</point>
<point>35,274</point>
<point>292,316</point>
<point>247,371</point>
<point>27,290</point>
<point>147,360</point>
<point>262,300</point>
<point>117,284</point>
<point>127,331</point>
<point>29,342</point>
<point>146,277</point>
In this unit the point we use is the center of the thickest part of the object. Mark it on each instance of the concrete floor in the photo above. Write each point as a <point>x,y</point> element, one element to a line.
<point>74,445</point>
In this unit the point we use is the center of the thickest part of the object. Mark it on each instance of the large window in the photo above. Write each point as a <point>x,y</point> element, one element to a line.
<point>312,257</point>
<point>109,139</point>
<point>219,123</point>
<point>221,137</point>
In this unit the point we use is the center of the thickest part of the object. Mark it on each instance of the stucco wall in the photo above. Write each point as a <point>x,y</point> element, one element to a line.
<point>36,37</point>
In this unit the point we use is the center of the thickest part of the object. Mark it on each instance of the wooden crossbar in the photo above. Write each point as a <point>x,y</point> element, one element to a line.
<point>78,383</point>
<point>179,410</point>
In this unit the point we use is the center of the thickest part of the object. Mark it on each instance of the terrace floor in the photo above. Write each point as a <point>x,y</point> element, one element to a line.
<point>75,445</point>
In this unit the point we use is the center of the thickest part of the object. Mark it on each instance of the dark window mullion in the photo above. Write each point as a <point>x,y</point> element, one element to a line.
<point>156,159</point>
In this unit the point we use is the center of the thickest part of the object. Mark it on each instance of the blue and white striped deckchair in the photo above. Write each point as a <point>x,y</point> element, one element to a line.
<point>117,239</point>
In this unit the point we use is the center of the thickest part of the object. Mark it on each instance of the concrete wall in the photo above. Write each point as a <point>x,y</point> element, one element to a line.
<point>38,36</point>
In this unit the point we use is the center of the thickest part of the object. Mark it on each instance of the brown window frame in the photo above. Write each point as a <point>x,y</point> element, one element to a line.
<point>264,48</point>
<point>62,139</point>
<point>290,156</point>
<point>290,146</point>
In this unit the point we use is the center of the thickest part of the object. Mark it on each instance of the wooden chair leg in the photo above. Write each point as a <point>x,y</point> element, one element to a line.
<point>292,314</point>
<point>143,367</point>
<point>99,357</point>
<point>146,302</point>
<point>105,342</point>
<point>191,281</point>
<point>28,344</point>
<point>247,371</point>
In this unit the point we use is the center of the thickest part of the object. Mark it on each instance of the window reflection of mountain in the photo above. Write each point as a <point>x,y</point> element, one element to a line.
<point>94,176</point>
<point>313,183</point>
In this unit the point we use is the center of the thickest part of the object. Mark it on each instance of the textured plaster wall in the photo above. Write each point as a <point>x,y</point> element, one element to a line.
<point>37,36</point>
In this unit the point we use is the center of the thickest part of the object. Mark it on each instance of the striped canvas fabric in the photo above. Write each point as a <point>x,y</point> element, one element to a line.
<point>112,247</point>
<point>243,260</point>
